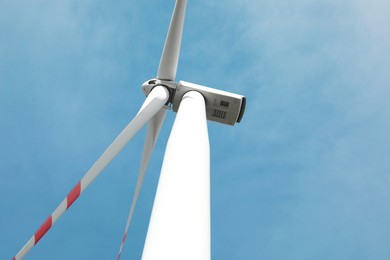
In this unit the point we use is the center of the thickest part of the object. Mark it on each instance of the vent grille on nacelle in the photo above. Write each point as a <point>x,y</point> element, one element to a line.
<point>219,113</point>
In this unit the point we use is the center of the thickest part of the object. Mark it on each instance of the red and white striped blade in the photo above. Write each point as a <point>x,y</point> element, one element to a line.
<point>154,128</point>
<point>170,55</point>
<point>152,105</point>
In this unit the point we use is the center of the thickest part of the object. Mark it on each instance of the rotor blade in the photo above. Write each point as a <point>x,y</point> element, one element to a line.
<point>154,128</point>
<point>170,55</point>
<point>152,105</point>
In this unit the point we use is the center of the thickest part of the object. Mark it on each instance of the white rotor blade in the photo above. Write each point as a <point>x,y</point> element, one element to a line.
<point>152,105</point>
<point>154,128</point>
<point>170,55</point>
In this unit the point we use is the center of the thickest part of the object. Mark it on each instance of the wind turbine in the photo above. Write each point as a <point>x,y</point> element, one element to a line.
<point>179,227</point>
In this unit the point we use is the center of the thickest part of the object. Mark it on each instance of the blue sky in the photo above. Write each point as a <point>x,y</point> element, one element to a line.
<point>306,175</point>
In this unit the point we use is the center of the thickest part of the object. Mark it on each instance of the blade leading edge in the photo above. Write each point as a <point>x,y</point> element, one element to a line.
<point>152,105</point>
<point>154,128</point>
<point>170,56</point>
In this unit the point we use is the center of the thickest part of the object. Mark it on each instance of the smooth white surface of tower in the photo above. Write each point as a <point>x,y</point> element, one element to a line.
<point>180,223</point>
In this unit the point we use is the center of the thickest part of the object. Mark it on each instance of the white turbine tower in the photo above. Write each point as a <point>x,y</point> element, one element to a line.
<point>179,227</point>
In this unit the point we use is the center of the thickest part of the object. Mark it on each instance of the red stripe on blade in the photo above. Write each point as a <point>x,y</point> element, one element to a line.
<point>124,237</point>
<point>42,230</point>
<point>73,195</point>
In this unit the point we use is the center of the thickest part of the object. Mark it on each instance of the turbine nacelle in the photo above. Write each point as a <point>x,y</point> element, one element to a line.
<point>221,106</point>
